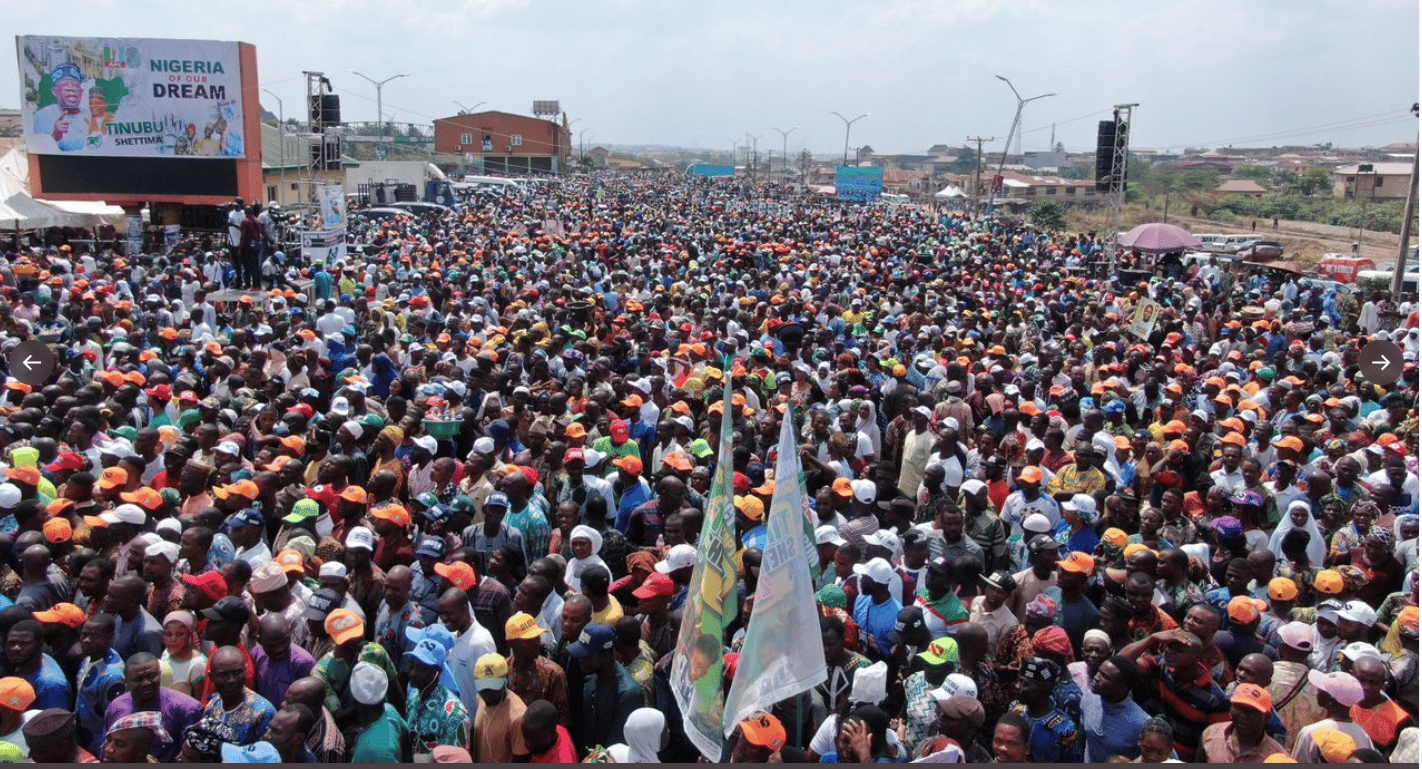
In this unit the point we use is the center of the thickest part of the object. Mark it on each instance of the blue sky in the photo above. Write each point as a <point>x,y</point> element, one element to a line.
<point>1205,72</point>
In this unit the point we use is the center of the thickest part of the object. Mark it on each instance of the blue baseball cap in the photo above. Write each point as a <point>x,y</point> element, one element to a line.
<point>1116,407</point>
<point>595,639</point>
<point>249,517</point>
<point>497,499</point>
<point>65,70</point>
<point>437,513</point>
<point>432,547</point>
<point>256,753</point>
<point>437,633</point>
<point>429,652</point>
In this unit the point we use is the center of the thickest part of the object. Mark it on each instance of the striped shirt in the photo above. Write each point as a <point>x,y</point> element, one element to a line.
<point>1189,700</point>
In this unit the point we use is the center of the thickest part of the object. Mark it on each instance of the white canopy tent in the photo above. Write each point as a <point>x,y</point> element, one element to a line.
<point>951,191</point>
<point>19,210</point>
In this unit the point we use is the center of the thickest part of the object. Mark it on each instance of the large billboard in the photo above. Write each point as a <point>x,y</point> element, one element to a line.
<point>131,97</point>
<point>861,184</point>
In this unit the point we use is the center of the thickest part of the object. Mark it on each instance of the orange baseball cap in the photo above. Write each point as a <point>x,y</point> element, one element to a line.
<point>1328,582</point>
<point>395,513</point>
<point>58,530</point>
<point>1244,610</point>
<point>629,463</point>
<point>145,497</point>
<point>62,614</point>
<point>1234,439</point>
<point>1253,696</point>
<point>632,401</point>
<point>841,487</point>
<point>343,625</point>
<point>764,730</point>
<point>1174,427</point>
<point>1283,589</point>
<point>1030,474</point>
<point>751,507</point>
<point>354,493</point>
<point>16,694</point>
<point>576,430</point>
<point>459,574</point>
<point>1290,442</point>
<point>679,461</point>
<point>295,443</point>
<point>28,475</point>
<point>244,488</point>
<point>1078,563</point>
<point>113,478</point>
<point>292,561</point>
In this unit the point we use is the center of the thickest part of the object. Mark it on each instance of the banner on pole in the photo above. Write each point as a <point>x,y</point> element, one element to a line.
<point>711,605</point>
<point>782,655</point>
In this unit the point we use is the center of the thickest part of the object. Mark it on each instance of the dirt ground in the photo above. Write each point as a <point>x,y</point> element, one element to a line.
<point>1304,242</point>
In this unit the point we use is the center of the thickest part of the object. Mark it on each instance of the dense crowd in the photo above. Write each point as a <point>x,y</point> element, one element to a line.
<point>440,499</point>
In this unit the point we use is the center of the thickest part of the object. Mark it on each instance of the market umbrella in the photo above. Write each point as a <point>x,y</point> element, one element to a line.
<point>1158,238</point>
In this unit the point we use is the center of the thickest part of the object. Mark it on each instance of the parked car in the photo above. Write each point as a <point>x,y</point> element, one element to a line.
<point>421,208</point>
<point>1262,250</point>
<point>384,212</point>
<point>1211,241</point>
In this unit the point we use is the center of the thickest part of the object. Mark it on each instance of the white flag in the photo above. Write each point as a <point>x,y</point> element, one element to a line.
<point>782,655</point>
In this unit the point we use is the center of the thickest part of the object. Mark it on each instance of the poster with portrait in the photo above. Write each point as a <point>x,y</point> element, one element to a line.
<point>131,97</point>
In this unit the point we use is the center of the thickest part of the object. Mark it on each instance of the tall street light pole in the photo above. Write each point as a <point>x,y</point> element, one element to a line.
<point>847,124</point>
<point>379,100</point>
<point>281,138</point>
<point>784,135</point>
<point>467,110</point>
<point>1016,121</point>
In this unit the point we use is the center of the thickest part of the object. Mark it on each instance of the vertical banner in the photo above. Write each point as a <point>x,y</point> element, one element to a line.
<point>782,655</point>
<point>327,244</point>
<point>135,235</point>
<point>332,200</point>
<point>711,605</point>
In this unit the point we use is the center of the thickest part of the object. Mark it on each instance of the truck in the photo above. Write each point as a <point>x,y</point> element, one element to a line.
<point>382,182</point>
<point>1343,268</point>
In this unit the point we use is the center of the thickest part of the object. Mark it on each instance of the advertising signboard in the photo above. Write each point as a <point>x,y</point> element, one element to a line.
<point>131,97</point>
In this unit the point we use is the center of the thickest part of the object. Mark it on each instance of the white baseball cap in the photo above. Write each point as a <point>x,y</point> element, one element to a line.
<point>332,569</point>
<point>828,535</point>
<point>865,491</point>
<point>956,685</point>
<point>679,557</point>
<point>877,570</point>
<point>972,487</point>
<point>360,537</point>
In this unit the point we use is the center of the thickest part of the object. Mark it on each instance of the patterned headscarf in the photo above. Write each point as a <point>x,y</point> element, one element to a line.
<point>148,719</point>
<point>1383,535</point>
<point>222,552</point>
<point>1042,607</point>
<point>832,596</point>
<point>393,433</point>
<point>1053,640</point>
<point>207,737</point>
<point>1228,527</point>
<point>187,620</point>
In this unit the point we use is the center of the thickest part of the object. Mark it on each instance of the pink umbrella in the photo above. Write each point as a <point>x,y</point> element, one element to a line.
<point>1158,238</point>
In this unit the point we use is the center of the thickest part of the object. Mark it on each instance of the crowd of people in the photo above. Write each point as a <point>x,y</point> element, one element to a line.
<point>440,499</point>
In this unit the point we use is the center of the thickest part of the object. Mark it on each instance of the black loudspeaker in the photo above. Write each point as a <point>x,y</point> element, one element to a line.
<point>1105,153</point>
<point>326,110</point>
<point>326,155</point>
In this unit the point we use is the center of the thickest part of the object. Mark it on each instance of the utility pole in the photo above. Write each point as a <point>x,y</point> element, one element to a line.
<point>847,124</point>
<point>1409,211</point>
<point>755,153</point>
<point>784,157</point>
<point>1016,124</point>
<point>978,171</point>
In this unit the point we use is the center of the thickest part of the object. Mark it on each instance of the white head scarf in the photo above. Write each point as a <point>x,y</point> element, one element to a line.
<point>576,566</point>
<point>1317,548</point>
<point>643,732</point>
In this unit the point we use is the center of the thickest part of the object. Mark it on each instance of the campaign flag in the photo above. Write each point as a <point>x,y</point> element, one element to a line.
<point>782,655</point>
<point>711,605</point>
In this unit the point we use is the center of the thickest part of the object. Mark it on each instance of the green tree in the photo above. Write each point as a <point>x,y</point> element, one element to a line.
<point>1262,174</point>
<point>965,161</point>
<point>1048,216</point>
<point>1315,181</point>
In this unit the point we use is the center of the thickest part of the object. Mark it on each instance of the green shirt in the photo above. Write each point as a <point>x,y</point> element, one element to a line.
<point>337,673</point>
<point>386,741</point>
